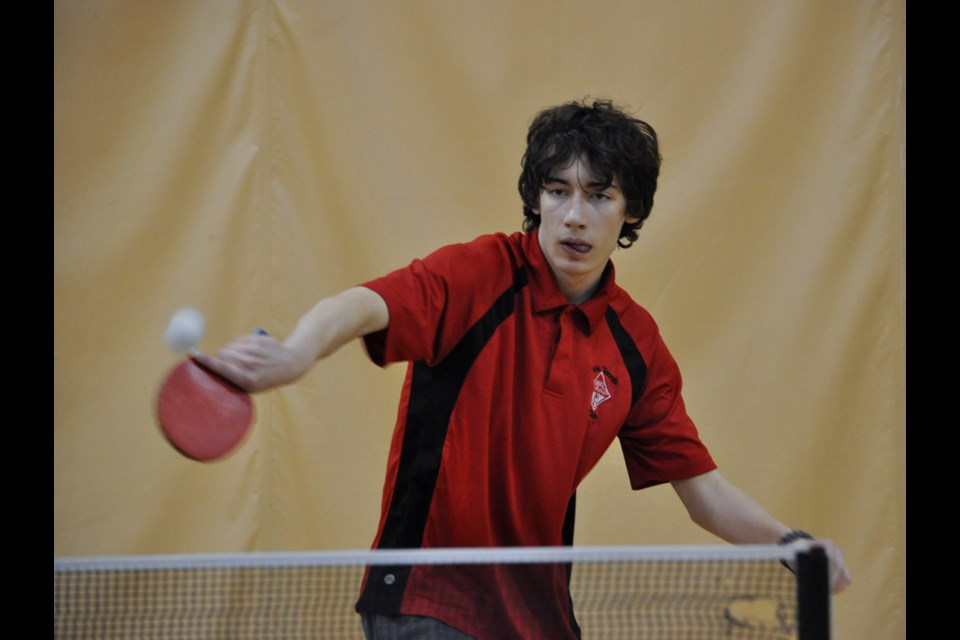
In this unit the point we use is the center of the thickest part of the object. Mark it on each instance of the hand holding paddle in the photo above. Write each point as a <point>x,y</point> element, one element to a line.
<point>255,362</point>
<point>203,415</point>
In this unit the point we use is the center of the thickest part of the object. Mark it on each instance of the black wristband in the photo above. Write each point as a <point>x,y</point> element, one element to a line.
<point>796,534</point>
<point>789,537</point>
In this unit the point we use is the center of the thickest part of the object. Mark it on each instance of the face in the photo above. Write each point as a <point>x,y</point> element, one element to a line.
<point>580,223</point>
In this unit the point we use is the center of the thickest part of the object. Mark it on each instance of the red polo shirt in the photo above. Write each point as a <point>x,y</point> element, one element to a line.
<point>512,395</point>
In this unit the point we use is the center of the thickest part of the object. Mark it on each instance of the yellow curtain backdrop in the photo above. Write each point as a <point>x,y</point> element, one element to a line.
<point>248,157</point>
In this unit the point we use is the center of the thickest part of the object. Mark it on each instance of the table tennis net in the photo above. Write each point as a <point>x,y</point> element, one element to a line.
<point>654,593</point>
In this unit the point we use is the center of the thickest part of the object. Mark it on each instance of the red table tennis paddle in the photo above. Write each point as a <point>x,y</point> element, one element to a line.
<point>204,416</point>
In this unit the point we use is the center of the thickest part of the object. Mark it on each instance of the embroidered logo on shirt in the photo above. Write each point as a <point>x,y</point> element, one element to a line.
<point>601,389</point>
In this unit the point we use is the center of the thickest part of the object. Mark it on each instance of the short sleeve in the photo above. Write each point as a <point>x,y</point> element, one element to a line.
<point>660,442</point>
<point>432,302</point>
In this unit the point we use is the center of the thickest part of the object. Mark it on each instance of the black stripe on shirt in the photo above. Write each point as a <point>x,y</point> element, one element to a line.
<point>630,354</point>
<point>433,396</point>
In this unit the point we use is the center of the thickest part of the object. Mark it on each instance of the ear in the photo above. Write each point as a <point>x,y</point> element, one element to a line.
<point>629,219</point>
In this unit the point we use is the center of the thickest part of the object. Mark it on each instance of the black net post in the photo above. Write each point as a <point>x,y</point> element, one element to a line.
<point>813,595</point>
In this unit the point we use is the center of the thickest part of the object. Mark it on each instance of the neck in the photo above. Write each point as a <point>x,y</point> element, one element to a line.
<point>578,292</point>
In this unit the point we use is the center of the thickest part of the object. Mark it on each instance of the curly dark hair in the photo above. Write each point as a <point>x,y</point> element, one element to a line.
<point>612,142</point>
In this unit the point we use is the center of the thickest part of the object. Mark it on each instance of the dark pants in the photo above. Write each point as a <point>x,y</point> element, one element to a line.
<point>380,627</point>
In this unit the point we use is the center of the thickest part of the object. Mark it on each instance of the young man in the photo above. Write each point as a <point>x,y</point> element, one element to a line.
<point>527,361</point>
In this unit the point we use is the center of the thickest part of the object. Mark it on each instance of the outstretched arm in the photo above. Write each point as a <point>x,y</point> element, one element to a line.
<point>257,363</point>
<point>730,514</point>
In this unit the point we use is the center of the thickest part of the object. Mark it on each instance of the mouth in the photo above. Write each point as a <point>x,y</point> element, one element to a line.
<point>576,247</point>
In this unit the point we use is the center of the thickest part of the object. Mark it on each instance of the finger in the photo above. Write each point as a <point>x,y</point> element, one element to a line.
<point>841,580</point>
<point>840,576</point>
<point>250,350</point>
<point>231,372</point>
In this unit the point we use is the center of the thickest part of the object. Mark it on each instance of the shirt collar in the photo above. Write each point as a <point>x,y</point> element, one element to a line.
<point>546,295</point>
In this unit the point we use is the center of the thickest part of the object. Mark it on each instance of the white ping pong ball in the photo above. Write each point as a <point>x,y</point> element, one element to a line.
<point>185,330</point>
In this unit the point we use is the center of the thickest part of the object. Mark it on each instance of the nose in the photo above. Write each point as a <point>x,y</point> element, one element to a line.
<point>574,216</point>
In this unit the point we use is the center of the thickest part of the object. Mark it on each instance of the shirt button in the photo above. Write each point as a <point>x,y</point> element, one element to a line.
<point>389,578</point>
